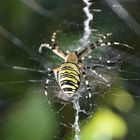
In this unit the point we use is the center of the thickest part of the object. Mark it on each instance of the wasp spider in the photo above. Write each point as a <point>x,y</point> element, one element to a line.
<point>70,73</point>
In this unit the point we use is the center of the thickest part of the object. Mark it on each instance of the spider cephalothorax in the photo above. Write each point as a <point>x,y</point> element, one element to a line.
<point>70,73</point>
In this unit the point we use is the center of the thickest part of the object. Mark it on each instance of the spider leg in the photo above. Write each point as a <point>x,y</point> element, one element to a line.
<point>109,64</point>
<point>100,40</point>
<point>87,84</point>
<point>116,44</point>
<point>53,38</point>
<point>53,46</point>
<point>46,86</point>
<point>88,88</point>
<point>98,75</point>
<point>92,46</point>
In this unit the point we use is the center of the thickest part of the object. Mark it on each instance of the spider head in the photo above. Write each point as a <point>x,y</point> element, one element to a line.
<point>72,57</point>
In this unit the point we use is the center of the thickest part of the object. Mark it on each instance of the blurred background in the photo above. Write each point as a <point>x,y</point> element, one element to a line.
<point>24,112</point>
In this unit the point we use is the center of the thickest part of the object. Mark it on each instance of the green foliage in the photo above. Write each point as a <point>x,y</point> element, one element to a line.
<point>31,119</point>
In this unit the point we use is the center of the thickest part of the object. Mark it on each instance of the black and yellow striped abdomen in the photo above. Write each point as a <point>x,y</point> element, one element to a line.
<point>69,78</point>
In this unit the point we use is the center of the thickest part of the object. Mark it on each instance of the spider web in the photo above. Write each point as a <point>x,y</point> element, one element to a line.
<point>15,102</point>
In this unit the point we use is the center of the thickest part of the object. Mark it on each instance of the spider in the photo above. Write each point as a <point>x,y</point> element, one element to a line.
<point>70,73</point>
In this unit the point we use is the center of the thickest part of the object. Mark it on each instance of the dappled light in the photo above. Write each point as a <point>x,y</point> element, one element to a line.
<point>105,124</point>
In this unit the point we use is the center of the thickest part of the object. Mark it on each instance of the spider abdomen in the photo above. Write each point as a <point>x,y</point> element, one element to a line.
<point>69,78</point>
